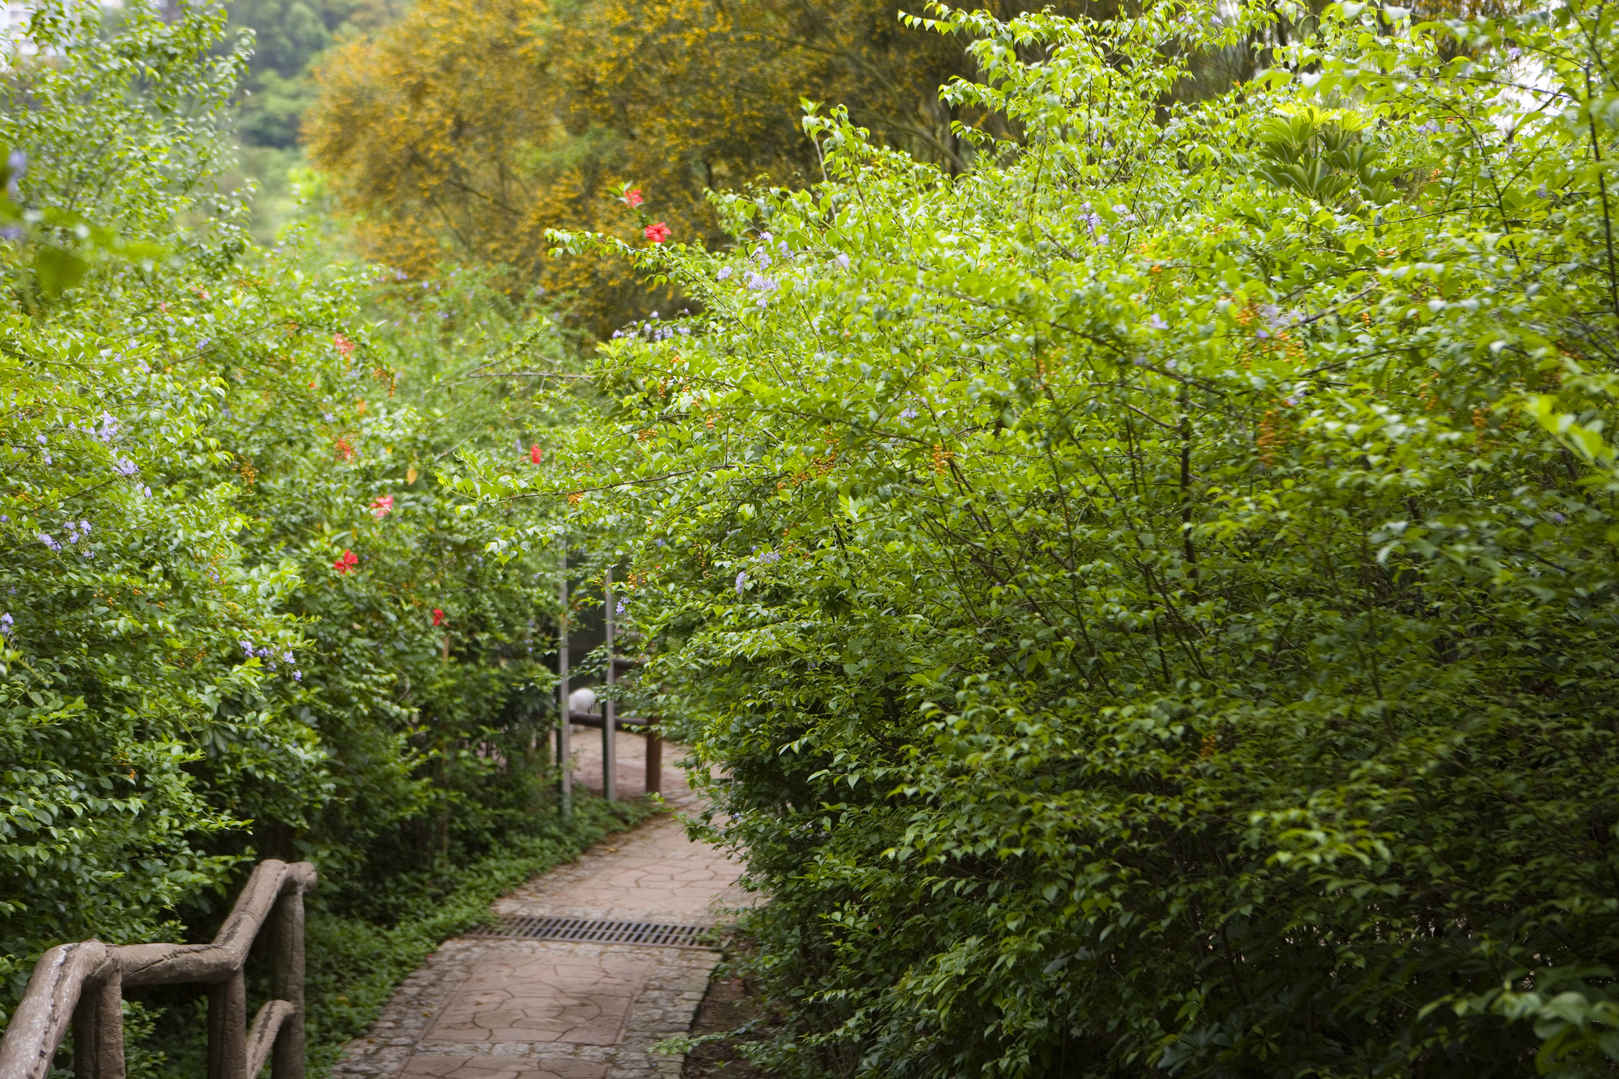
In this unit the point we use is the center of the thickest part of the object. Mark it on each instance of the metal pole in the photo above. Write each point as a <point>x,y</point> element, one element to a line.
<point>609,709</point>
<point>565,781</point>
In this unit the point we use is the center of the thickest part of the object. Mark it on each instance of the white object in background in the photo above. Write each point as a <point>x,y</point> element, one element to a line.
<point>582,699</point>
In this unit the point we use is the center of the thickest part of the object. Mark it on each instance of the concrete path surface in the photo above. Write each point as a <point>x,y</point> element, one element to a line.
<point>484,1008</point>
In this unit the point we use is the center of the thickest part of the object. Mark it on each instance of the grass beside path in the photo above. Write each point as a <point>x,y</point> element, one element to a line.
<point>354,965</point>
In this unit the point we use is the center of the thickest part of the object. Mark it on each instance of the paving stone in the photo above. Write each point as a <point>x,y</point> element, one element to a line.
<point>491,1008</point>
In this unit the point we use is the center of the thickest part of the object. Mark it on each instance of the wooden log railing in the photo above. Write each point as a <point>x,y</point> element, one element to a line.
<point>81,986</point>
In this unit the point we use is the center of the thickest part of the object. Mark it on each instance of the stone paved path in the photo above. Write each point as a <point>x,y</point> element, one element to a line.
<point>525,1009</point>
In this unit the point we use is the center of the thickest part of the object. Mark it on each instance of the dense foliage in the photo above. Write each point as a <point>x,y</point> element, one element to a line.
<point>1154,594</point>
<point>465,130</point>
<point>240,614</point>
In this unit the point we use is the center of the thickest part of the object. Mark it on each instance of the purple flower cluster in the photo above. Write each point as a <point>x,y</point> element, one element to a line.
<point>271,658</point>
<point>5,624</point>
<point>74,532</point>
<point>1092,219</point>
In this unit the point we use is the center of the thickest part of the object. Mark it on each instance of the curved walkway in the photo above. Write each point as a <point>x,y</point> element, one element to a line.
<point>483,1008</point>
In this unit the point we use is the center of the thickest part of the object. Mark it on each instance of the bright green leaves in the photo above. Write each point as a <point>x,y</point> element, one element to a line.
<point>1152,594</point>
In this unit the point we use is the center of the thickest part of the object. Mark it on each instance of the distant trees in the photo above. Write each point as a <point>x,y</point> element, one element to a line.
<point>287,34</point>
<point>466,130</point>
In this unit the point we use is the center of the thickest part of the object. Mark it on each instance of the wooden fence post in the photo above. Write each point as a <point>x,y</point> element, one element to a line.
<point>287,983</point>
<point>227,1027</point>
<point>98,1029</point>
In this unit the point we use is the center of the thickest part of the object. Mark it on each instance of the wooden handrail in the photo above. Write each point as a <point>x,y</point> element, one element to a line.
<point>81,985</point>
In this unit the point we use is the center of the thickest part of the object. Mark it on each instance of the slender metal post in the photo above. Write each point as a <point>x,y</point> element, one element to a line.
<point>609,709</point>
<point>98,1029</point>
<point>287,983</point>
<point>227,1028</point>
<point>565,711</point>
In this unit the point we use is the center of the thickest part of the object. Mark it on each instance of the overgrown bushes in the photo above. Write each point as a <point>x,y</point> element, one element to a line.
<point>1154,594</point>
<point>241,615</point>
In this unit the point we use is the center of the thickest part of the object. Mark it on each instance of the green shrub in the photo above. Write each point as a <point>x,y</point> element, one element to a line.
<point>241,613</point>
<point>1153,595</point>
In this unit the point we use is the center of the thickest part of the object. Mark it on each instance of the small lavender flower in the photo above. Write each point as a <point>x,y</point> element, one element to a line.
<point>247,646</point>
<point>621,607</point>
<point>1157,322</point>
<point>49,541</point>
<point>17,165</point>
<point>842,260</point>
<point>724,273</point>
<point>297,676</point>
<point>125,467</point>
<point>5,624</point>
<point>741,580</point>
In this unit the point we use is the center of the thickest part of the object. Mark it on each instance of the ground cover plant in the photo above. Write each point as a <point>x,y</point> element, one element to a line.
<point>1154,592</point>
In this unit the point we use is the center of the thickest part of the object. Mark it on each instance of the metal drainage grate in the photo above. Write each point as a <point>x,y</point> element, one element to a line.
<point>599,931</point>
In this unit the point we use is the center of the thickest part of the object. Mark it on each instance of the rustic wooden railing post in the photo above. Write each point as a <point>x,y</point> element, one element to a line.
<point>81,986</point>
<point>654,757</point>
<point>227,1027</point>
<point>288,985</point>
<point>98,1028</point>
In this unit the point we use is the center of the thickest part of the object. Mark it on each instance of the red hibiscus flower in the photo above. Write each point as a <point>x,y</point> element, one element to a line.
<point>657,232</point>
<point>536,454</point>
<point>632,197</point>
<point>438,616</point>
<point>381,506</point>
<point>346,561</point>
